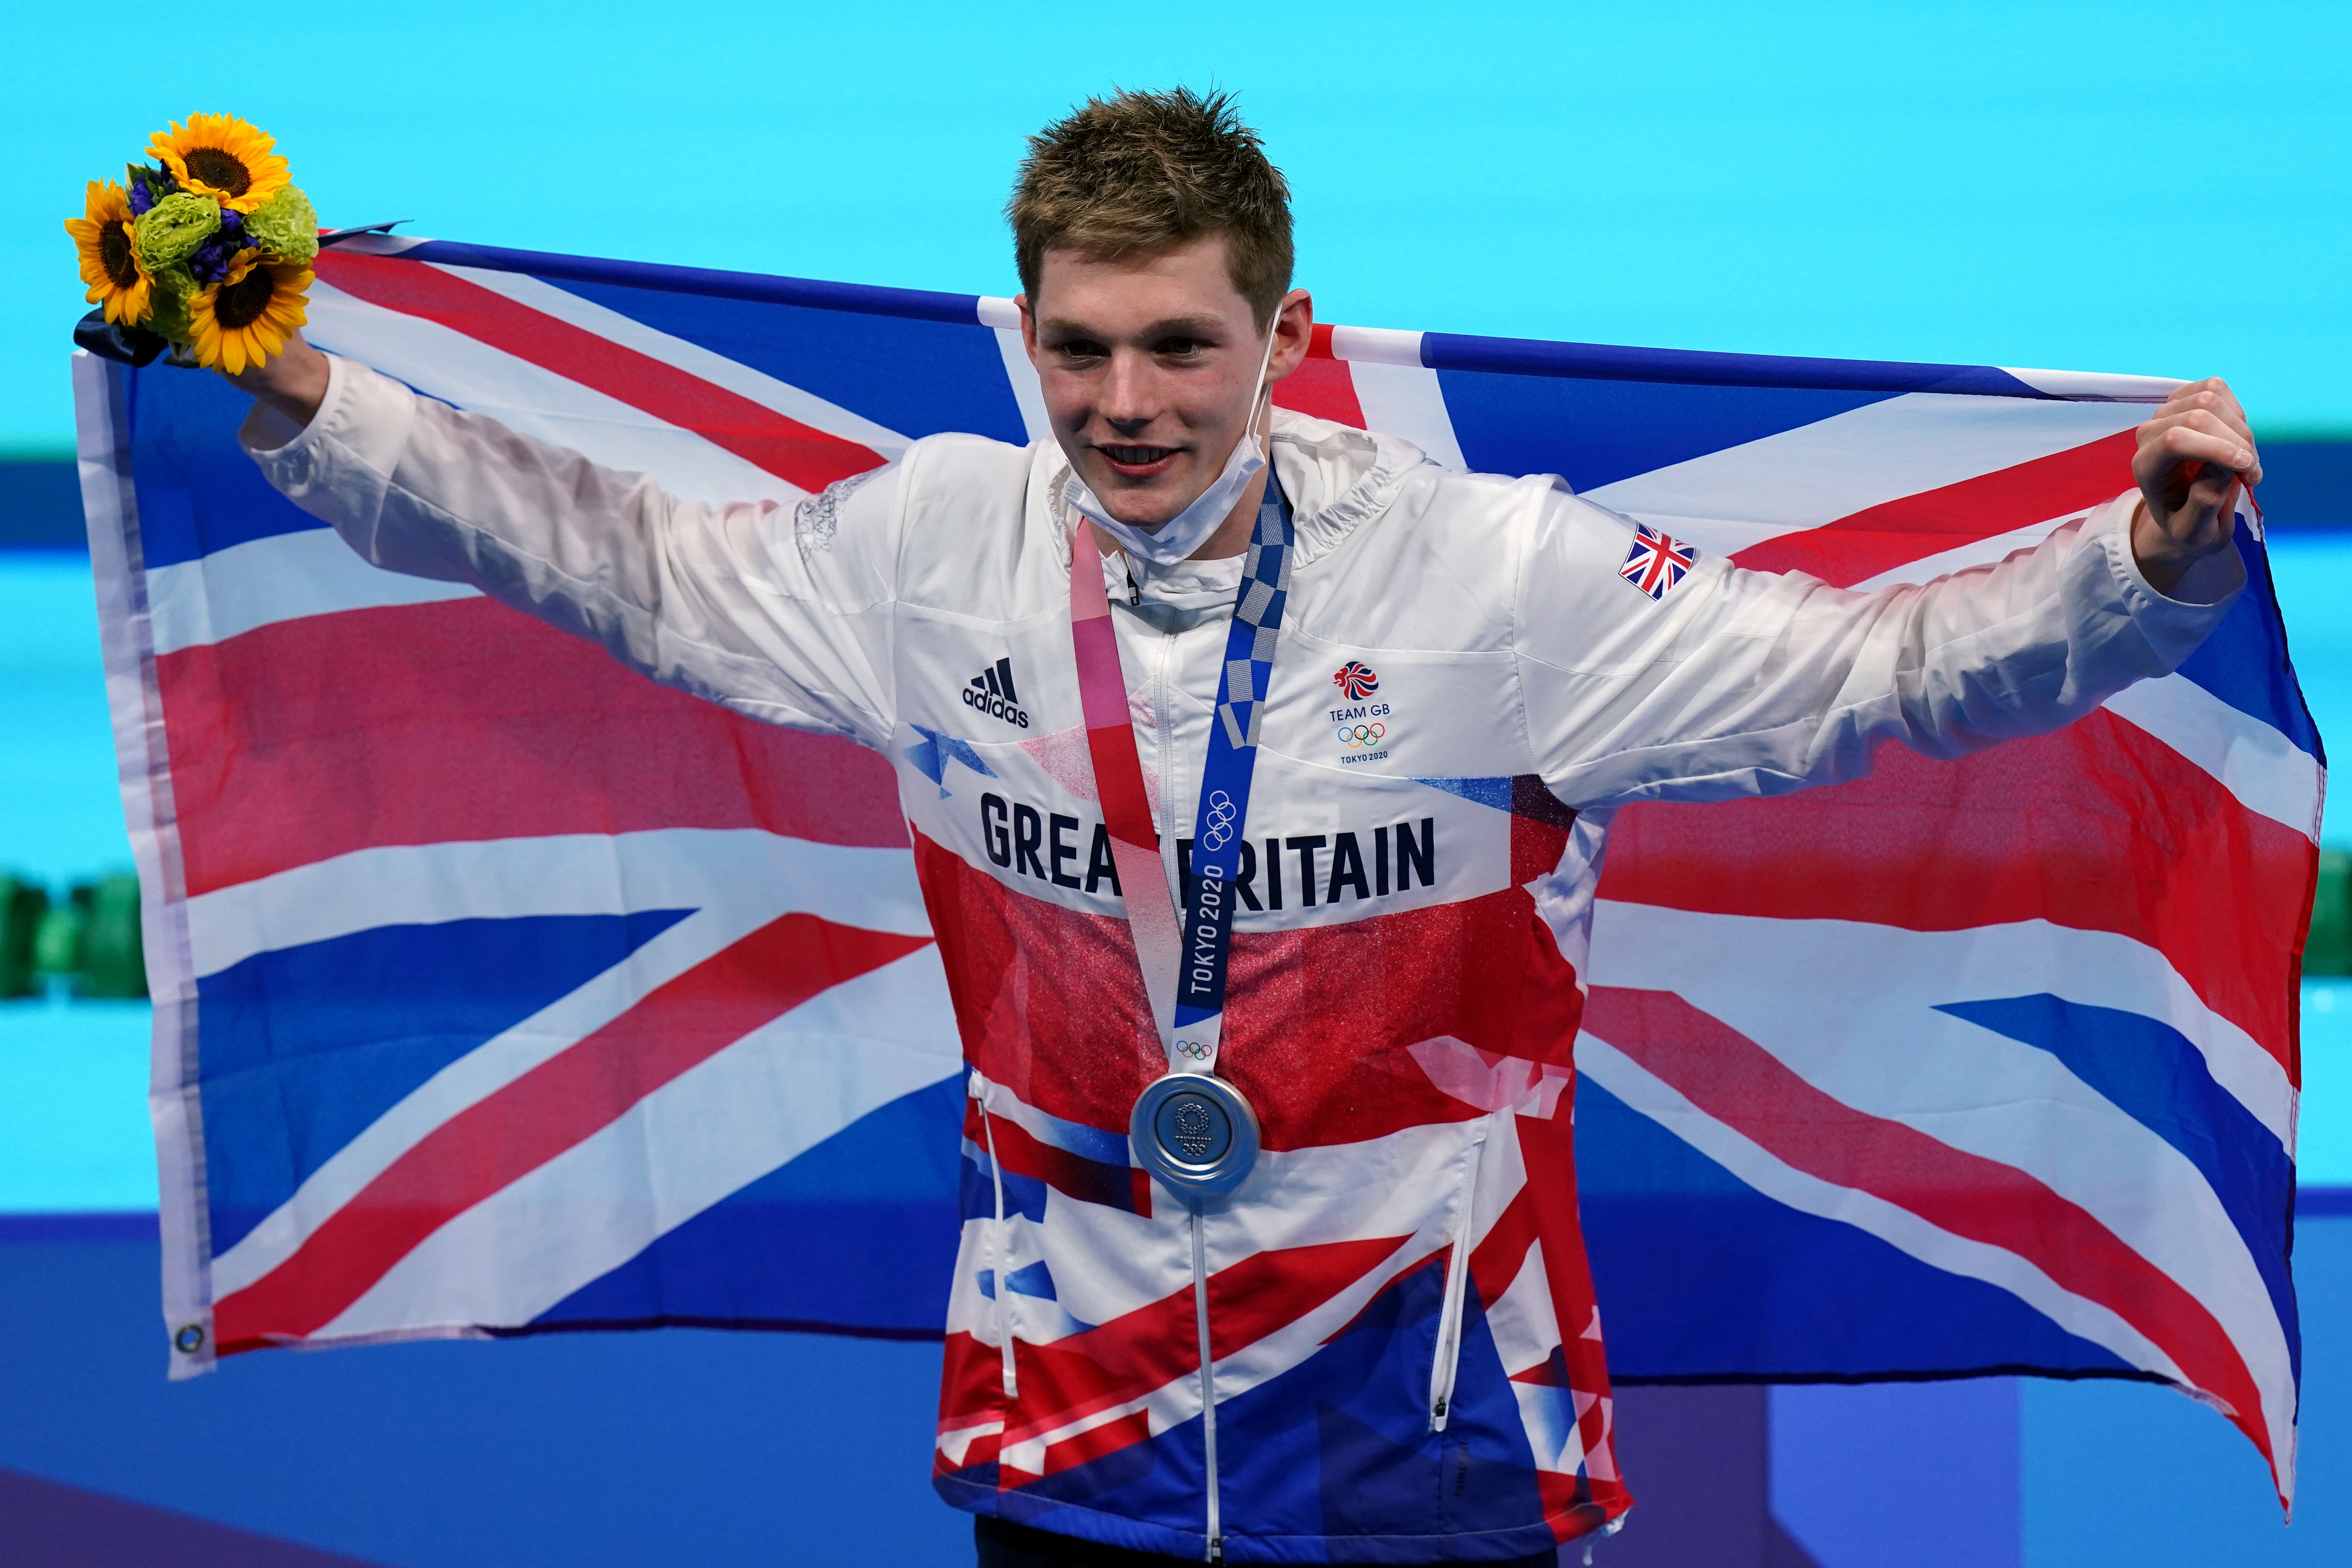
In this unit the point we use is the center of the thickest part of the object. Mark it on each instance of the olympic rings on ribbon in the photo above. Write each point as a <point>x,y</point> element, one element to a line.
<point>1192,1048</point>
<point>1361,734</point>
<point>1221,821</point>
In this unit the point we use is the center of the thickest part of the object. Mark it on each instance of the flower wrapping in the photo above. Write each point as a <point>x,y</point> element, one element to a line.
<point>208,246</point>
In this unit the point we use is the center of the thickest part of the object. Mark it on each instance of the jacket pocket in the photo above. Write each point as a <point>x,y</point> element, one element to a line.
<point>999,1256</point>
<point>1448,1358</point>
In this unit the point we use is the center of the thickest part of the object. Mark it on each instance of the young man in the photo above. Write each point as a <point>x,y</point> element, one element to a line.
<point>1367,725</point>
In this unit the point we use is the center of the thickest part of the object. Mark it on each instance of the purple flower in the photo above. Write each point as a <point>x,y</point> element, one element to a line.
<point>232,221</point>
<point>210,260</point>
<point>140,198</point>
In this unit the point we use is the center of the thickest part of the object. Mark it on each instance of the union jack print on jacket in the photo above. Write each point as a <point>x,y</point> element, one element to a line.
<point>1406,1360</point>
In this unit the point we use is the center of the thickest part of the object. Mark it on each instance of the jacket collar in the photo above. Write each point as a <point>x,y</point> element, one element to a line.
<point>1337,476</point>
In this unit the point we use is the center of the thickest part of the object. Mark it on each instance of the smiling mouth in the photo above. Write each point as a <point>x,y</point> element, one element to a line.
<point>1136,461</point>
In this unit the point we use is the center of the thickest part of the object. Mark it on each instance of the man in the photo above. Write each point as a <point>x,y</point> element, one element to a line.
<point>1262,844</point>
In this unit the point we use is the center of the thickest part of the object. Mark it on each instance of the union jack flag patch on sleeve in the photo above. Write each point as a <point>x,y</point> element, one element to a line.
<point>1656,563</point>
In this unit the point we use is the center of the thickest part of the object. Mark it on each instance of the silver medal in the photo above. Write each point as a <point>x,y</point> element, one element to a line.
<point>1195,1132</point>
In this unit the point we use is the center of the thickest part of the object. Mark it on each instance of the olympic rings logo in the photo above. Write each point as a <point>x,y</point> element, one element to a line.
<point>1222,815</point>
<point>1194,1049</point>
<point>1361,734</point>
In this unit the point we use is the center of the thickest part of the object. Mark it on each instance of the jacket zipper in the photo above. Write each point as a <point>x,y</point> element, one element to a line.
<point>1458,1284</point>
<point>1004,1256</point>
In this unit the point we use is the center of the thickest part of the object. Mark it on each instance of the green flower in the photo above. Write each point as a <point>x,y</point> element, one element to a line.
<point>168,233</point>
<point>285,225</point>
<point>174,286</point>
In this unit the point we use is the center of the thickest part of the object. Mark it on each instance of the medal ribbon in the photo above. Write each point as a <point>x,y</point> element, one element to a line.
<point>1182,956</point>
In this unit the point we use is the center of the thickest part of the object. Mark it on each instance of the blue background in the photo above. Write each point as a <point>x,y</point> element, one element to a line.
<point>2152,186</point>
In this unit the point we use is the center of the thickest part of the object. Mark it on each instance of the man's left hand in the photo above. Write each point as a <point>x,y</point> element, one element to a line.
<point>2191,458</point>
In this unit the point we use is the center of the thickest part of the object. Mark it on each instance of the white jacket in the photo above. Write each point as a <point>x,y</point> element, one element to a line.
<point>1416,892</point>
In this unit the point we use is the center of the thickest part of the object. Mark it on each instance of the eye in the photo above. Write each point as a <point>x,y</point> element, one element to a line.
<point>1178,347</point>
<point>1077,350</point>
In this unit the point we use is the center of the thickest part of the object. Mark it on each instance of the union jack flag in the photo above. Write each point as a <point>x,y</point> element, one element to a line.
<point>499,990</point>
<point>1656,563</point>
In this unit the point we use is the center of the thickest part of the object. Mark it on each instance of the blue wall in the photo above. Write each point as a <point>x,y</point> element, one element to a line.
<point>2147,185</point>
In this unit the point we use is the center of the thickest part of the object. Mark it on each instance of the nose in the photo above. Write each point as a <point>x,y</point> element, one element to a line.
<point>1130,401</point>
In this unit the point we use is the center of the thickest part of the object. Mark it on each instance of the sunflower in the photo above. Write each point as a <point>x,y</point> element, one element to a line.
<point>245,318</point>
<point>221,156</point>
<point>109,261</point>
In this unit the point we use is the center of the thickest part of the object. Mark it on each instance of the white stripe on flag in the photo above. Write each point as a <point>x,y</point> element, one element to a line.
<point>2269,773</point>
<point>1405,400</point>
<point>1899,1227</point>
<point>1377,345</point>
<point>757,386</point>
<point>465,373</point>
<point>283,577</point>
<point>2094,969</point>
<point>2091,383</point>
<point>1022,376</point>
<point>736,881</point>
<point>562,874</point>
<point>713,1130</point>
<point>1850,462</point>
<point>1958,1082</point>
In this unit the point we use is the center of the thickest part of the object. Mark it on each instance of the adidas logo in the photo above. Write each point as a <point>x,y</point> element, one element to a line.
<point>991,692</point>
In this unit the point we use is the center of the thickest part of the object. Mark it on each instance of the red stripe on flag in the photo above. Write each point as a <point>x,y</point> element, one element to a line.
<point>1894,533</point>
<point>1322,387</point>
<point>549,1109</point>
<point>797,453</point>
<point>2100,826</point>
<point>466,720</point>
<point>1745,1087</point>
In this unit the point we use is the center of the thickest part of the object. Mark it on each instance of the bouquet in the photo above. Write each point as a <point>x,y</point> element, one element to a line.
<point>208,249</point>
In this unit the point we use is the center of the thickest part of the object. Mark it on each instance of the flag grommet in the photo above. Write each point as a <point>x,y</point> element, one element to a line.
<point>189,1338</point>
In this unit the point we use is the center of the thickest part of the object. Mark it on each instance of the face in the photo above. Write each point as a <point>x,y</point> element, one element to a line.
<point>1148,365</point>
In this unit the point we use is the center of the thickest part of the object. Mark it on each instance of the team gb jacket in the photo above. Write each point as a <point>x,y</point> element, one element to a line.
<point>1406,1363</point>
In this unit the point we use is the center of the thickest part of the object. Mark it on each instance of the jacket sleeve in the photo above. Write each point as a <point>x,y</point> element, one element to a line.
<point>778,612</point>
<point>1749,683</point>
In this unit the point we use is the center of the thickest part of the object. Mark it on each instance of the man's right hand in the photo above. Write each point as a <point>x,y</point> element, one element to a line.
<point>293,382</point>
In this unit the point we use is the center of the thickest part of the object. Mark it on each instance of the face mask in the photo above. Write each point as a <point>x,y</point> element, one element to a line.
<point>1176,539</point>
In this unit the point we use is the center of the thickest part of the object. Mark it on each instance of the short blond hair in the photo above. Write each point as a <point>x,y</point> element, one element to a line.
<point>1139,173</point>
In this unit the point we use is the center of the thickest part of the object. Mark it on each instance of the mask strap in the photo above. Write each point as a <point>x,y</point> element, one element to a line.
<point>1265,393</point>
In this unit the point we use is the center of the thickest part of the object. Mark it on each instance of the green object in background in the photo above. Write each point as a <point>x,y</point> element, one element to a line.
<point>89,939</point>
<point>22,905</point>
<point>113,958</point>
<point>2328,949</point>
<point>56,941</point>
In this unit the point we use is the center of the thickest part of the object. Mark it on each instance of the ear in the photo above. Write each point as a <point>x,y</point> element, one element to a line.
<point>1294,333</point>
<point>1028,327</point>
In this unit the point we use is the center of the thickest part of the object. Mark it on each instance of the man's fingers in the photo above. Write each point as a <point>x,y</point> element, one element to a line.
<point>2197,419</point>
<point>2208,399</point>
<point>2201,436</point>
<point>2195,435</point>
<point>2213,393</point>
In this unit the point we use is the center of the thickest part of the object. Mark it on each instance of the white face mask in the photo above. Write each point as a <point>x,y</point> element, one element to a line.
<point>1176,539</point>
